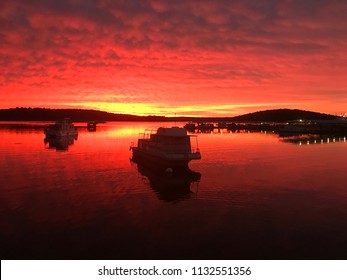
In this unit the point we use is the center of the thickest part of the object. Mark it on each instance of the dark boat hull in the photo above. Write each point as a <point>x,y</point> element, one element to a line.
<point>161,164</point>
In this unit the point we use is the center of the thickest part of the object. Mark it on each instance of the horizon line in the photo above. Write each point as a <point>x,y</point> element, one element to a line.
<point>168,117</point>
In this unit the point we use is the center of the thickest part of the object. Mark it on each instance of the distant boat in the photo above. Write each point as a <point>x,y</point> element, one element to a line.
<point>170,148</point>
<point>190,126</point>
<point>294,129</point>
<point>59,129</point>
<point>91,126</point>
<point>205,127</point>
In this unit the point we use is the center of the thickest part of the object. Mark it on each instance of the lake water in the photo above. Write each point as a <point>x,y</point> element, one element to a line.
<point>256,197</point>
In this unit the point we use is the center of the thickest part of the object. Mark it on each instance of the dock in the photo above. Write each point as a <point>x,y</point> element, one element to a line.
<point>336,127</point>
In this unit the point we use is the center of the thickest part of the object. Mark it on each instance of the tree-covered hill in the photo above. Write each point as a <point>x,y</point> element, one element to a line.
<point>282,115</point>
<point>44,114</point>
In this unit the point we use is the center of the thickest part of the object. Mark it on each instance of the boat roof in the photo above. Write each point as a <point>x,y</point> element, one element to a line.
<point>172,131</point>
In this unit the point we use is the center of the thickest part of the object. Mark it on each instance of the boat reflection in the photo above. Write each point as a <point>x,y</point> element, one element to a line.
<point>170,186</point>
<point>60,143</point>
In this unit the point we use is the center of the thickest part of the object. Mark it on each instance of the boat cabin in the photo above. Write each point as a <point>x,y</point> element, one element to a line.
<point>173,140</point>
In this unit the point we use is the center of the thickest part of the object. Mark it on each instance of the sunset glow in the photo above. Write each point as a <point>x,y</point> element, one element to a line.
<point>163,57</point>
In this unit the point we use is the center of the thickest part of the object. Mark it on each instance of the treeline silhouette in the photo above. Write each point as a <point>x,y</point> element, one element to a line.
<point>44,114</point>
<point>283,115</point>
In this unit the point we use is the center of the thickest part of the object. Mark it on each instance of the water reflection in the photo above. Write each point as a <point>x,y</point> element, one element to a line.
<point>307,139</point>
<point>170,186</point>
<point>294,199</point>
<point>60,143</point>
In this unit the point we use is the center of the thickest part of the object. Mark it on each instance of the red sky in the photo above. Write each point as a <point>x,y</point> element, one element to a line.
<point>189,57</point>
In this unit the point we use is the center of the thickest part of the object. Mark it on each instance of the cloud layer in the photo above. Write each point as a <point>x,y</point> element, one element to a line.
<point>164,56</point>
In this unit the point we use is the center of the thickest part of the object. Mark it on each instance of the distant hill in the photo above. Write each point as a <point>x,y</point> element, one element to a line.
<point>282,115</point>
<point>43,114</point>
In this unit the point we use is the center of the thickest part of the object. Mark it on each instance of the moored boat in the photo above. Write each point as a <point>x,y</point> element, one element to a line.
<point>190,126</point>
<point>167,147</point>
<point>62,128</point>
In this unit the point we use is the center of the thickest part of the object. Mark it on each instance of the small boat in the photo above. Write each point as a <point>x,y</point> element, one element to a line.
<point>169,148</point>
<point>190,126</point>
<point>205,127</point>
<point>91,126</point>
<point>293,129</point>
<point>60,129</point>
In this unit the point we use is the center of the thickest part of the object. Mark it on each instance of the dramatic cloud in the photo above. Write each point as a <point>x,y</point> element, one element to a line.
<point>163,56</point>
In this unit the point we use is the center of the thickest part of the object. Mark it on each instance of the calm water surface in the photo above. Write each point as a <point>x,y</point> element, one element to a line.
<point>256,197</point>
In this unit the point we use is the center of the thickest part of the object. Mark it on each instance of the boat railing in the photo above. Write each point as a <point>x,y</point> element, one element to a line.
<point>147,133</point>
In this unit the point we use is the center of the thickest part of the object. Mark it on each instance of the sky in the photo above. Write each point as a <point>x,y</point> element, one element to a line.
<point>182,57</point>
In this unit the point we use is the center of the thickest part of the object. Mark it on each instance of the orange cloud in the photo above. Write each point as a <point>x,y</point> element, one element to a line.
<point>155,57</point>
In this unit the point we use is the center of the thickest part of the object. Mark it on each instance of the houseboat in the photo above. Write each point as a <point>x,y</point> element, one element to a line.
<point>170,148</point>
<point>59,129</point>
